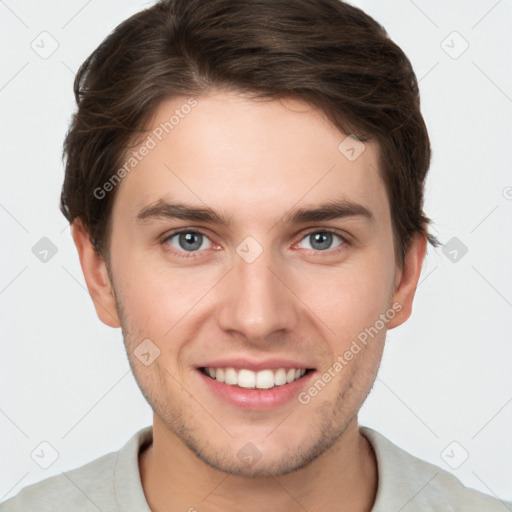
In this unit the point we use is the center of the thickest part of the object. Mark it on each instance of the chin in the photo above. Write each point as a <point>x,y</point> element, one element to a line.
<point>266,458</point>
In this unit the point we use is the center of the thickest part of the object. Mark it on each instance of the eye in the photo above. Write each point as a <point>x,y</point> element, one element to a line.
<point>322,240</point>
<point>188,241</point>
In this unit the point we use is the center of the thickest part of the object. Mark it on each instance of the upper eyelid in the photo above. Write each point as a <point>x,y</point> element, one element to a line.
<point>323,230</point>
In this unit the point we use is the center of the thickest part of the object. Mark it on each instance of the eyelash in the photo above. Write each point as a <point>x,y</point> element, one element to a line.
<point>194,254</point>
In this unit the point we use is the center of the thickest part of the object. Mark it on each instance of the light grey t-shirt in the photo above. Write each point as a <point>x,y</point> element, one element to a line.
<point>112,484</point>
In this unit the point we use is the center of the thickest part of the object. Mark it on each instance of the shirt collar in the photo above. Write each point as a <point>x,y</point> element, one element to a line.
<point>127,480</point>
<point>398,482</point>
<point>394,489</point>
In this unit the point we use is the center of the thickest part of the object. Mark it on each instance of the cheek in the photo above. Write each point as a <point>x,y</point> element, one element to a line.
<point>156,297</point>
<point>351,297</point>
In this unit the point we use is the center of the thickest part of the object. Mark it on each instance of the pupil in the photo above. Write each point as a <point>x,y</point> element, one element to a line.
<point>322,239</point>
<point>190,241</point>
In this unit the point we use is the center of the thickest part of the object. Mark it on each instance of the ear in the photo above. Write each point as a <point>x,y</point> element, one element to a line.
<point>96,276</point>
<point>406,279</point>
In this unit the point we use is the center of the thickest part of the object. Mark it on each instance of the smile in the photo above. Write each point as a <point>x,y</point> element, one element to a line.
<point>248,379</point>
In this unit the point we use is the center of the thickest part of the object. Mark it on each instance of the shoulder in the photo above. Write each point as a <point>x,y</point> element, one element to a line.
<point>94,486</point>
<point>78,487</point>
<point>410,484</point>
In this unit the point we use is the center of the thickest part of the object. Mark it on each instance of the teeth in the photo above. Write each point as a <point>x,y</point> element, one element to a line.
<point>280,377</point>
<point>246,379</point>
<point>264,379</point>
<point>230,377</point>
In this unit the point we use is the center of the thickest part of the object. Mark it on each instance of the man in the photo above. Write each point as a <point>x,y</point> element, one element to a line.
<point>245,186</point>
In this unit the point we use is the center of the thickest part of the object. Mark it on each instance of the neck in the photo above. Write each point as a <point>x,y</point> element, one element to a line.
<point>343,478</point>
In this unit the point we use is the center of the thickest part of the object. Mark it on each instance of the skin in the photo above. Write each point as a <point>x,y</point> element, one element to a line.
<point>254,161</point>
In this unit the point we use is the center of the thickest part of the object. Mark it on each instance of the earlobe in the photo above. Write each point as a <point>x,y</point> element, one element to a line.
<point>96,276</point>
<point>407,279</point>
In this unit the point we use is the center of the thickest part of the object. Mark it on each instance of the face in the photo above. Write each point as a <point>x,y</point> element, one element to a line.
<point>249,298</point>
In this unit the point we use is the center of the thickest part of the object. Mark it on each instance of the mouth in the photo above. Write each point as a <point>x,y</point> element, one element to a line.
<point>249,379</point>
<point>259,388</point>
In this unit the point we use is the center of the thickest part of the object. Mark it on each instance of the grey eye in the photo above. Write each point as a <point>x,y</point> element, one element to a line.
<point>321,240</point>
<point>188,241</point>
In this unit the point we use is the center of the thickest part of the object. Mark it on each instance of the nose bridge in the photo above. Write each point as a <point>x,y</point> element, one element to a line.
<point>255,302</point>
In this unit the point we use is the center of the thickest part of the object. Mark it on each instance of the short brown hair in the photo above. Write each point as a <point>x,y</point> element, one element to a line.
<point>325,52</point>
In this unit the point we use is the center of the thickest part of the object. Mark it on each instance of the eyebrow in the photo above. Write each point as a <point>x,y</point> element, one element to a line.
<point>326,211</point>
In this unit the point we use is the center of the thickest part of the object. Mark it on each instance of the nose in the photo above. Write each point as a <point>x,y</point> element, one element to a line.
<point>257,301</point>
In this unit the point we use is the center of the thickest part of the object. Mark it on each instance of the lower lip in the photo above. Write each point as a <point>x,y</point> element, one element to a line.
<point>257,399</point>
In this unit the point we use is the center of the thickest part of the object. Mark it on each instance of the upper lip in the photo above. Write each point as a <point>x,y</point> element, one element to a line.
<point>251,364</point>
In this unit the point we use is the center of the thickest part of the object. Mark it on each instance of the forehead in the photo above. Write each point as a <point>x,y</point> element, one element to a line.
<point>254,158</point>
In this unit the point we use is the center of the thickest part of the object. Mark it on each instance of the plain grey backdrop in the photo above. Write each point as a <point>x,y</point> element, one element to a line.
<point>444,391</point>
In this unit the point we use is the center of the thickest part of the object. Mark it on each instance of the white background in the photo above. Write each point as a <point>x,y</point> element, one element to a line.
<point>445,376</point>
